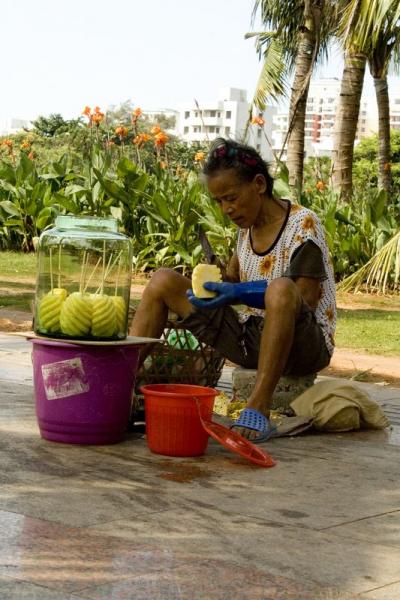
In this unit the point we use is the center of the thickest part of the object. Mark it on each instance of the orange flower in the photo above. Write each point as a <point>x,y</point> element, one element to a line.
<point>386,166</point>
<point>25,145</point>
<point>121,132</point>
<point>136,114</point>
<point>199,156</point>
<point>320,185</point>
<point>31,155</point>
<point>110,144</point>
<point>258,121</point>
<point>141,139</point>
<point>163,164</point>
<point>309,223</point>
<point>97,118</point>
<point>9,145</point>
<point>160,139</point>
<point>155,130</point>
<point>295,208</point>
<point>267,264</point>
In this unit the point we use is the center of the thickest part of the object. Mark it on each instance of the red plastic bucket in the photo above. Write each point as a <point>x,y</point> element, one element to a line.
<point>83,393</point>
<point>173,424</point>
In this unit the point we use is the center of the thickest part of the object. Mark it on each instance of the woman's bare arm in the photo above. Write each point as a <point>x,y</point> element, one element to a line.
<point>232,270</point>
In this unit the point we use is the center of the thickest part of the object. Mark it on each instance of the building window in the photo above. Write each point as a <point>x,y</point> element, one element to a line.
<point>397,101</point>
<point>187,114</point>
<point>259,133</point>
<point>213,113</point>
<point>196,129</point>
<point>186,130</point>
<point>227,130</point>
<point>196,114</point>
<point>218,114</point>
<point>217,130</point>
<point>211,129</point>
<point>228,114</point>
<point>258,147</point>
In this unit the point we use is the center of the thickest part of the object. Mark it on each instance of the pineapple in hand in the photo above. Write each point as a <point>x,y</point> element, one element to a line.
<point>201,274</point>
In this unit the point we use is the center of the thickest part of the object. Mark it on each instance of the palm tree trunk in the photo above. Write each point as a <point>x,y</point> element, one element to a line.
<point>346,122</point>
<point>382,99</point>
<point>305,59</point>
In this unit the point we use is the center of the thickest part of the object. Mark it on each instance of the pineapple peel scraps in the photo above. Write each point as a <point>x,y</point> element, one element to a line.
<point>221,404</point>
<point>232,408</point>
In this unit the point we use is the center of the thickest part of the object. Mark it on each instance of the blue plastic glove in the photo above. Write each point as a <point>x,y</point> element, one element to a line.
<point>250,293</point>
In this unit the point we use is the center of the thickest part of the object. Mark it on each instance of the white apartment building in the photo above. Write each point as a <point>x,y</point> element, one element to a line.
<point>227,117</point>
<point>395,108</point>
<point>322,103</point>
<point>9,126</point>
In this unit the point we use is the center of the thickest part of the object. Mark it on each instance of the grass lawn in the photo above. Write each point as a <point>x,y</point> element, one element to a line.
<point>369,331</point>
<point>17,264</point>
<point>370,324</point>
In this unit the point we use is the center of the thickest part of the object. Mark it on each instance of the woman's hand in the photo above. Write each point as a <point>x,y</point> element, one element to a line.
<point>225,291</point>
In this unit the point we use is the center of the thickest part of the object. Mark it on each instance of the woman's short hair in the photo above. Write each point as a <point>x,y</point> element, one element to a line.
<point>245,160</point>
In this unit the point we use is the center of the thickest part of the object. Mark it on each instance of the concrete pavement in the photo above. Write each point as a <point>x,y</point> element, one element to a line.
<point>102,522</point>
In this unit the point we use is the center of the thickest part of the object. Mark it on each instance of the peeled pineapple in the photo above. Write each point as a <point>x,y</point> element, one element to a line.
<point>201,274</point>
<point>120,313</point>
<point>76,315</point>
<point>104,320</point>
<point>50,309</point>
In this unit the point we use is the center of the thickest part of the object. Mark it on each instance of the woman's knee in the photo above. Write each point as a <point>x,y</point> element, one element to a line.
<point>165,280</point>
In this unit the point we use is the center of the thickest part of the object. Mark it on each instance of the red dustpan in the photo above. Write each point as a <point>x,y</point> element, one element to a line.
<point>237,443</point>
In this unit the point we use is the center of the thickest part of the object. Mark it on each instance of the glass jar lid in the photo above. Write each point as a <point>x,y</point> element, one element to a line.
<point>98,223</point>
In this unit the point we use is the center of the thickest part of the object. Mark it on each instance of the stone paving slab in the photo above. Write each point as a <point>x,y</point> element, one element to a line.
<point>386,592</point>
<point>20,590</point>
<point>290,550</point>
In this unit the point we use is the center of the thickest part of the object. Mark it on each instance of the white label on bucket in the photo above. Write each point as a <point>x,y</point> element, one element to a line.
<point>64,378</point>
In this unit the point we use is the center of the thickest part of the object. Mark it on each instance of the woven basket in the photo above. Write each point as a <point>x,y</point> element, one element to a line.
<point>180,363</point>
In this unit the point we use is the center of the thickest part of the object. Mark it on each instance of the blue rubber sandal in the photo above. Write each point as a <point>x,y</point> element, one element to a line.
<point>253,419</point>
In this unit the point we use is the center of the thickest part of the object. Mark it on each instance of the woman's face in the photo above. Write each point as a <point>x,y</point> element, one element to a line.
<point>241,201</point>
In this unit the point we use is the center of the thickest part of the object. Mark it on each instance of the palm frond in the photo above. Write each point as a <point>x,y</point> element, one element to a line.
<point>365,23</point>
<point>272,80</point>
<point>380,273</point>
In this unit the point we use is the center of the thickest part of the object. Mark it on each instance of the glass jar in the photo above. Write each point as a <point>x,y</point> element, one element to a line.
<point>83,280</point>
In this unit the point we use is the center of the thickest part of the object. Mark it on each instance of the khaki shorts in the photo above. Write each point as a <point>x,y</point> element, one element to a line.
<point>240,342</point>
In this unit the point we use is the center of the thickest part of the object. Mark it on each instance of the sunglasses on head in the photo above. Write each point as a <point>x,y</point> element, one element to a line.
<point>223,150</point>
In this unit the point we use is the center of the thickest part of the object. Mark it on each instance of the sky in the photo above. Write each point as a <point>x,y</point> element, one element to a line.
<point>60,55</point>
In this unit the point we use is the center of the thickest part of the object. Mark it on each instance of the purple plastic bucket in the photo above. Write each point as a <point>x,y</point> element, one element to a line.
<point>83,393</point>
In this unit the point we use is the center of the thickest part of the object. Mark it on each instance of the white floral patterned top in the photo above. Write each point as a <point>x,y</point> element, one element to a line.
<point>301,225</point>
